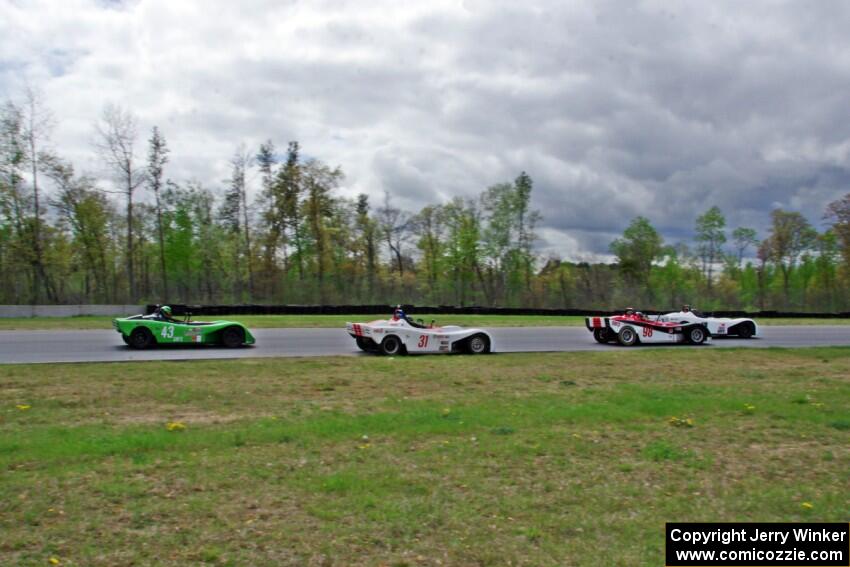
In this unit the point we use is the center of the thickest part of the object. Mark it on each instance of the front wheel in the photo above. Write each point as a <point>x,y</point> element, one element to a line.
<point>627,336</point>
<point>232,337</point>
<point>602,335</point>
<point>478,344</point>
<point>126,339</point>
<point>746,330</point>
<point>141,338</point>
<point>391,346</point>
<point>696,335</point>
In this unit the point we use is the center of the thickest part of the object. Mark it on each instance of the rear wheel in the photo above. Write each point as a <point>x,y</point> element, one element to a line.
<point>141,338</point>
<point>232,337</point>
<point>478,344</point>
<point>627,336</point>
<point>366,345</point>
<point>391,346</point>
<point>746,330</point>
<point>696,335</point>
<point>602,335</point>
<point>126,339</point>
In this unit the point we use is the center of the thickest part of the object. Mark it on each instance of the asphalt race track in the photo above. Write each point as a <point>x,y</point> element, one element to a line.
<point>106,346</point>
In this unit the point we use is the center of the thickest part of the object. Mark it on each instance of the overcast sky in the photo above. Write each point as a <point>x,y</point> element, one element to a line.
<point>615,109</point>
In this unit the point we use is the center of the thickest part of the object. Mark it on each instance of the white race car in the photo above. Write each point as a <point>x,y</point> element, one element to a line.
<point>402,335</point>
<point>717,326</point>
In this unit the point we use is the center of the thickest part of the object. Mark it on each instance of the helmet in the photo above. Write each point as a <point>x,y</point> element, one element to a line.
<point>686,308</point>
<point>165,309</point>
<point>398,313</point>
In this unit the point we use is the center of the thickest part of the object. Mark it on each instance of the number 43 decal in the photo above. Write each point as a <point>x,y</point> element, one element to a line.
<point>167,332</point>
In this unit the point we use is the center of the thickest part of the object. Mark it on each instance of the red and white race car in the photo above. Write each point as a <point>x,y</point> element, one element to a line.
<point>402,335</point>
<point>634,327</point>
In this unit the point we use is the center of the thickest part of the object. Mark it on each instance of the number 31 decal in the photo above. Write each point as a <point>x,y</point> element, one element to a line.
<point>423,341</point>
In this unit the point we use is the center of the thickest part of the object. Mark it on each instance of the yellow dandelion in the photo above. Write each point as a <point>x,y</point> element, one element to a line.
<point>23,407</point>
<point>446,411</point>
<point>54,561</point>
<point>807,505</point>
<point>175,426</point>
<point>364,446</point>
<point>749,407</point>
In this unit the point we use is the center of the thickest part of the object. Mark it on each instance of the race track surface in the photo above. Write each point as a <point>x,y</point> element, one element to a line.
<point>106,345</point>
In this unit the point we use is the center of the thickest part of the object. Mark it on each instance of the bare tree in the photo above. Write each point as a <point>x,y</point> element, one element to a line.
<point>157,158</point>
<point>37,122</point>
<point>115,144</point>
<point>395,228</point>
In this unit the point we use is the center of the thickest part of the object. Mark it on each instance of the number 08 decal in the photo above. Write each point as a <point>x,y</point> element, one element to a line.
<point>647,331</point>
<point>423,341</point>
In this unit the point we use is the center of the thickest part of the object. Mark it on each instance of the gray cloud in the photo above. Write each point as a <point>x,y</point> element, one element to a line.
<point>614,108</point>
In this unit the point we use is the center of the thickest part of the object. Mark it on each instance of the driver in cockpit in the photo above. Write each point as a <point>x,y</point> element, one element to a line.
<point>399,314</point>
<point>164,314</point>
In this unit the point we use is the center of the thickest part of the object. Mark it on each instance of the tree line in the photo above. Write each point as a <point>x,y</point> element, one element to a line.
<point>64,238</point>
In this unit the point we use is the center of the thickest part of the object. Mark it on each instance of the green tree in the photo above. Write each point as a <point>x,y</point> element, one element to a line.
<point>710,237</point>
<point>743,238</point>
<point>319,181</point>
<point>838,212</point>
<point>367,244</point>
<point>790,235</point>
<point>640,246</point>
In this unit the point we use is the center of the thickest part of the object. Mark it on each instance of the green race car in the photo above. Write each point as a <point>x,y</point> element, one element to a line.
<point>146,331</point>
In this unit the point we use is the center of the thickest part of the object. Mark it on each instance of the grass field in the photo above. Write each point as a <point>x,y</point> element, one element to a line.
<point>279,321</point>
<point>524,459</point>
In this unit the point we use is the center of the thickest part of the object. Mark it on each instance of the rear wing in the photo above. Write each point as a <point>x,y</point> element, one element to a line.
<point>596,323</point>
<point>358,329</point>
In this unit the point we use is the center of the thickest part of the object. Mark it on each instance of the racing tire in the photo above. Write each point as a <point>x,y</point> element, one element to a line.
<point>366,345</point>
<point>126,339</point>
<point>141,338</point>
<point>746,330</point>
<point>232,337</point>
<point>391,346</point>
<point>602,335</point>
<point>696,335</point>
<point>627,337</point>
<point>478,344</point>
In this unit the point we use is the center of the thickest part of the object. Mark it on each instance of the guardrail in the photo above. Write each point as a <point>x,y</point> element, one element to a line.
<point>8,311</point>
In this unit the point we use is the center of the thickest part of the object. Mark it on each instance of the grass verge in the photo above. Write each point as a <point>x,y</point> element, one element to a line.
<point>524,459</point>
